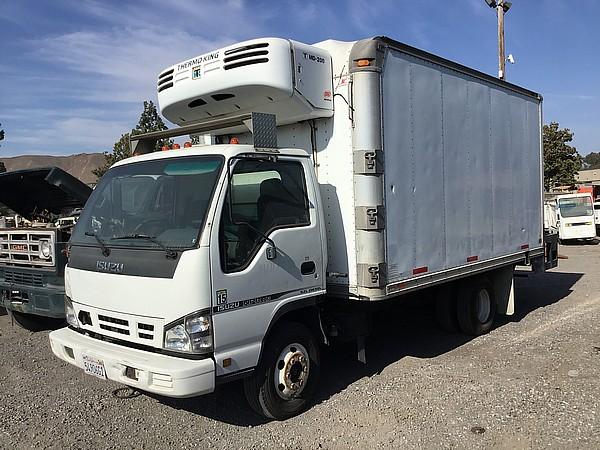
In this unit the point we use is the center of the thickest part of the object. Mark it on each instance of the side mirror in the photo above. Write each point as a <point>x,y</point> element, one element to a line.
<point>271,253</point>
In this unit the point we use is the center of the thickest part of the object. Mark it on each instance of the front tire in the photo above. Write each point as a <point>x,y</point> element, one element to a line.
<point>286,377</point>
<point>476,306</point>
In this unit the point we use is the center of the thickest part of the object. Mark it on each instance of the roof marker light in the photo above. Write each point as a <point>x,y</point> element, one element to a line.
<point>164,148</point>
<point>363,62</point>
<point>187,145</point>
<point>176,146</point>
<point>234,140</point>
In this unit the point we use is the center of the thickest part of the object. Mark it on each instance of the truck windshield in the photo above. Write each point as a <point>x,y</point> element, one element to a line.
<point>575,206</point>
<point>164,201</point>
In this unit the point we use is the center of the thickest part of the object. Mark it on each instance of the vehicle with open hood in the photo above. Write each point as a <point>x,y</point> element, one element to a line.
<point>46,203</point>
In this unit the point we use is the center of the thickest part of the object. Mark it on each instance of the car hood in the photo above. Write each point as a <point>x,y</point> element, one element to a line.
<point>32,191</point>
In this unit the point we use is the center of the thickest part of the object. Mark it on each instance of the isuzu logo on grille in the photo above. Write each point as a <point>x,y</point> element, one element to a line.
<point>107,266</point>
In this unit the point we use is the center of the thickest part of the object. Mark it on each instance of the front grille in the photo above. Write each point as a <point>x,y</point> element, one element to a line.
<point>25,279</point>
<point>22,247</point>
<point>123,327</point>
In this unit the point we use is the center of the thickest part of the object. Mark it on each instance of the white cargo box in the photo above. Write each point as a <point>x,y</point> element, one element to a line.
<point>286,78</point>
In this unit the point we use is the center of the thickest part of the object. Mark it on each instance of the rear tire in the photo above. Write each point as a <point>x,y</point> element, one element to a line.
<point>445,308</point>
<point>32,322</point>
<point>286,377</point>
<point>476,306</point>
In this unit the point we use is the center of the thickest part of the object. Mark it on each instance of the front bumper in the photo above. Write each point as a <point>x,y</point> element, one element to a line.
<point>578,232</point>
<point>41,301</point>
<point>160,374</point>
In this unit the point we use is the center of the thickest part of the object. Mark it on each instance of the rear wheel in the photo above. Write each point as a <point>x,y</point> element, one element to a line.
<point>476,307</point>
<point>32,322</point>
<point>285,379</point>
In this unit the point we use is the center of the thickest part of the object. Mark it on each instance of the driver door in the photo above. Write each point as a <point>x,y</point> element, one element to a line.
<point>267,202</point>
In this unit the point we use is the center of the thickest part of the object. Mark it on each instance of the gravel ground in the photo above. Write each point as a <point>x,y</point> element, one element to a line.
<point>533,382</point>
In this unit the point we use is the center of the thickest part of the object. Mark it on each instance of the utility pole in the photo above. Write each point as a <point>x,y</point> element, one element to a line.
<point>502,7</point>
<point>501,53</point>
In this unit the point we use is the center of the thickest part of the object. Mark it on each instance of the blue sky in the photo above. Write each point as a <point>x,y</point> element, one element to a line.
<point>74,73</point>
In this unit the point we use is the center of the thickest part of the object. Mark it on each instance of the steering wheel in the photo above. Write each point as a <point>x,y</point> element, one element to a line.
<point>143,223</point>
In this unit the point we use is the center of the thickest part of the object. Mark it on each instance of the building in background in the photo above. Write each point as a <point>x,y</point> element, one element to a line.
<point>589,181</point>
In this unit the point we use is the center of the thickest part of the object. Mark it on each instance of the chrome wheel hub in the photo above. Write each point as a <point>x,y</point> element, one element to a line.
<point>292,369</point>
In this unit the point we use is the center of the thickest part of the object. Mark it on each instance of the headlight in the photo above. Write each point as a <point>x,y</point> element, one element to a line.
<point>45,249</point>
<point>191,334</point>
<point>70,313</point>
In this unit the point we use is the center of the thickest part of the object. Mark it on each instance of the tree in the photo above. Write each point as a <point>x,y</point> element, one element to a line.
<point>1,133</point>
<point>121,150</point>
<point>561,161</point>
<point>591,161</point>
<point>4,211</point>
<point>149,121</point>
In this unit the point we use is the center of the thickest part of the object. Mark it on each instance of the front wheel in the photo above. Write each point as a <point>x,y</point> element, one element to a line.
<point>287,375</point>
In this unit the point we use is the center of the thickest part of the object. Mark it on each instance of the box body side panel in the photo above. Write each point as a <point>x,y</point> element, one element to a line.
<point>462,168</point>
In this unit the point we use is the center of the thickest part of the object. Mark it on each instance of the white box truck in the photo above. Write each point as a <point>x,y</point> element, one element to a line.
<point>373,170</point>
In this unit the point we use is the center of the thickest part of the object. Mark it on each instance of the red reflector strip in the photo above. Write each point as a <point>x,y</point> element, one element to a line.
<point>524,246</point>
<point>419,270</point>
<point>472,258</point>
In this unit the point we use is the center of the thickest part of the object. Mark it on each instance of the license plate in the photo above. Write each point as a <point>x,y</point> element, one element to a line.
<point>94,366</point>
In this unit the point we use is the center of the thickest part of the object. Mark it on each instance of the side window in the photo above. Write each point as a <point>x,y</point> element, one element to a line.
<point>263,196</point>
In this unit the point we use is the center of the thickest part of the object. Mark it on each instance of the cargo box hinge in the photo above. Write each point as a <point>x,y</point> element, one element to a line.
<point>370,217</point>
<point>368,162</point>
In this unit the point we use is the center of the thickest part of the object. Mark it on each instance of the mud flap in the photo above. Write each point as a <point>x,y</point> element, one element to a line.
<point>504,290</point>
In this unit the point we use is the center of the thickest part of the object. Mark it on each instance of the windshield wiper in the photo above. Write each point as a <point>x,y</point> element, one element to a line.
<point>105,249</point>
<point>171,254</point>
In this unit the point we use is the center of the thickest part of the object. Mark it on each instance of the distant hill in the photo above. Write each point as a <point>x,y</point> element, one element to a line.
<point>80,166</point>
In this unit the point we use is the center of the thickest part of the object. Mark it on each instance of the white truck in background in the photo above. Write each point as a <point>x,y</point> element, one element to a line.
<point>372,170</point>
<point>575,216</point>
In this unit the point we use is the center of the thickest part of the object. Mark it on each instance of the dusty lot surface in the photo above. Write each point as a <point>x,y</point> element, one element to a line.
<point>533,382</point>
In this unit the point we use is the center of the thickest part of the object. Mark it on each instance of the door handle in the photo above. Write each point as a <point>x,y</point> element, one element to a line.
<point>308,268</point>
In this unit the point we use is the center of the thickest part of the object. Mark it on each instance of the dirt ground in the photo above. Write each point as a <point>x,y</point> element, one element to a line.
<point>533,382</point>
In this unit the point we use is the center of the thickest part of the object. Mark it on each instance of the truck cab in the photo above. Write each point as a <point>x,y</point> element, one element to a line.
<point>187,256</point>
